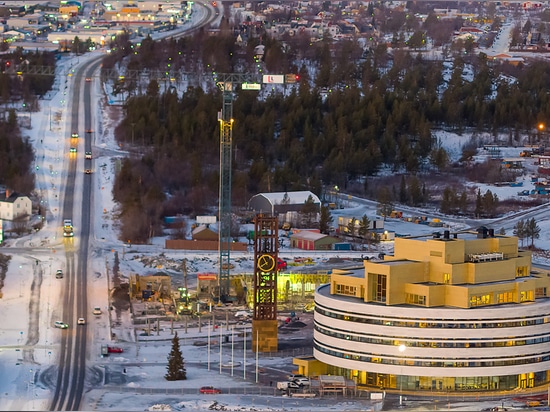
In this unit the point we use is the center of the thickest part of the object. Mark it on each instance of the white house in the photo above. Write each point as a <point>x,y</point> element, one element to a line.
<point>13,205</point>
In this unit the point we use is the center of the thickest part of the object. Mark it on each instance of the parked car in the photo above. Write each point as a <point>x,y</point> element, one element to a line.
<point>59,274</point>
<point>210,390</point>
<point>114,349</point>
<point>294,376</point>
<point>283,386</point>
<point>61,325</point>
<point>81,321</point>
<point>301,381</point>
<point>97,310</point>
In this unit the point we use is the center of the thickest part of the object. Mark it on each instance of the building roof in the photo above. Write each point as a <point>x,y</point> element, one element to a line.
<point>308,235</point>
<point>300,197</point>
<point>202,228</point>
<point>12,197</point>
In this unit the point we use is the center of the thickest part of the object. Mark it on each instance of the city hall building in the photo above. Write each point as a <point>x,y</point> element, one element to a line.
<point>454,312</point>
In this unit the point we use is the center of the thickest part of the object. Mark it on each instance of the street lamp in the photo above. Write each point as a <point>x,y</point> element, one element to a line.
<point>402,348</point>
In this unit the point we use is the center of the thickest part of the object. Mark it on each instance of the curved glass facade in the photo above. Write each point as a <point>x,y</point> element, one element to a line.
<point>436,349</point>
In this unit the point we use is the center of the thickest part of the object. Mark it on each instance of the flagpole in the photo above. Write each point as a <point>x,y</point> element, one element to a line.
<point>209,344</point>
<point>232,342</point>
<point>257,351</point>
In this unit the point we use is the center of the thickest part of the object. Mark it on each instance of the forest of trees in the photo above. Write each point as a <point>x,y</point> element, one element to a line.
<point>19,94</point>
<point>380,112</point>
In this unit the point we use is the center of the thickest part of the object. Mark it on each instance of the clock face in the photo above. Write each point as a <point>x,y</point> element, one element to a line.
<point>266,263</point>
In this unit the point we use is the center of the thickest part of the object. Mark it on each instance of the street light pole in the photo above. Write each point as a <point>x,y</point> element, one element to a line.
<point>401,349</point>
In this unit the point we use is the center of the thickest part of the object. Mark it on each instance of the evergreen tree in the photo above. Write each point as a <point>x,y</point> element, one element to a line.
<point>447,201</point>
<point>363,230</point>
<point>403,190</point>
<point>385,204</point>
<point>309,211</point>
<point>325,220</point>
<point>415,192</point>
<point>463,202</point>
<point>532,230</point>
<point>479,205</point>
<point>519,230</point>
<point>489,203</point>
<point>176,367</point>
<point>351,227</point>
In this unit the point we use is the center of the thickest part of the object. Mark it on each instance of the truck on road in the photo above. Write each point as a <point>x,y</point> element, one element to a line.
<point>68,228</point>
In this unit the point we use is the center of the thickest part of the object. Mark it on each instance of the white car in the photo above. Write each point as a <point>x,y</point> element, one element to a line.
<point>301,381</point>
<point>61,325</point>
<point>81,321</point>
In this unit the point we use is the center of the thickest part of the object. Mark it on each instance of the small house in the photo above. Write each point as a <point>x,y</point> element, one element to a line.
<point>203,232</point>
<point>308,240</point>
<point>13,206</point>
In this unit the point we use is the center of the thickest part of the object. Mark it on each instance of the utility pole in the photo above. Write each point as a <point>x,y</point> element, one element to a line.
<point>184,270</point>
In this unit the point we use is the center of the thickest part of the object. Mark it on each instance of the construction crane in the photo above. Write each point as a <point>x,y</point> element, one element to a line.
<point>227,84</point>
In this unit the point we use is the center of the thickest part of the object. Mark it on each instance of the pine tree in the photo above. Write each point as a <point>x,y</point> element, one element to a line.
<point>325,220</point>
<point>364,231</point>
<point>532,230</point>
<point>519,230</point>
<point>176,367</point>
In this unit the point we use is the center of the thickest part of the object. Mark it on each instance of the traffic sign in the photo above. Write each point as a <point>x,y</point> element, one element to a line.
<point>291,78</point>
<point>251,86</point>
<point>273,78</point>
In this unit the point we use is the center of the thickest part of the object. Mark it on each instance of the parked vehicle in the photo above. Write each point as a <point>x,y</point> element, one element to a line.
<point>210,390</point>
<point>97,311</point>
<point>302,381</point>
<point>114,349</point>
<point>284,385</point>
<point>59,274</point>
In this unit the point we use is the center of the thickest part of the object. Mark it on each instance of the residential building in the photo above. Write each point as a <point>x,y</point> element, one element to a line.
<point>13,205</point>
<point>460,312</point>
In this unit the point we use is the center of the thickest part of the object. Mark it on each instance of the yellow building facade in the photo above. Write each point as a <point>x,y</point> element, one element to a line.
<point>454,312</point>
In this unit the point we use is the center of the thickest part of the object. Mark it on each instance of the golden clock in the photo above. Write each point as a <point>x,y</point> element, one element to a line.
<point>266,263</point>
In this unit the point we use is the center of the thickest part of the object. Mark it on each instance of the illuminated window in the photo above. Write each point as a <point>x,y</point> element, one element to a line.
<point>480,300</point>
<point>416,299</point>
<point>521,271</point>
<point>446,278</point>
<point>526,296</point>
<point>345,290</point>
<point>380,288</point>
<point>505,297</point>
